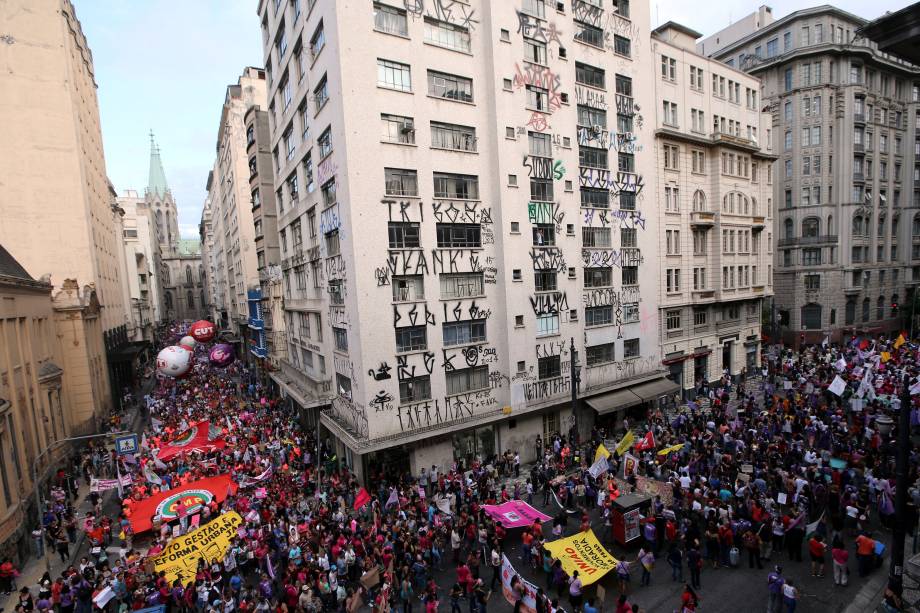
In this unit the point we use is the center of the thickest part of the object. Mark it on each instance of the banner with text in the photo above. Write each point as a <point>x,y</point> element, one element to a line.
<point>180,558</point>
<point>584,553</point>
<point>515,514</point>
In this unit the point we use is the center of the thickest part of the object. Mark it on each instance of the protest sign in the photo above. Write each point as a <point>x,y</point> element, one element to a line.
<point>601,452</point>
<point>179,559</point>
<point>837,386</point>
<point>584,553</point>
<point>103,485</point>
<point>189,499</point>
<point>510,579</point>
<point>599,467</point>
<point>630,465</point>
<point>514,514</point>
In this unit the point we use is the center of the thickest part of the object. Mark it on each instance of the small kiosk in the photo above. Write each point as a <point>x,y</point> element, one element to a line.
<point>627,515</point>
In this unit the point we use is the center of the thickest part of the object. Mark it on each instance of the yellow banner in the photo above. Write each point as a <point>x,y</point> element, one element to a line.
<point>584,553</point>
<point>900,341</point>
<point>626,443</point>
<point>885,356</point>
<point>601,453</point>
<point>180,558</point>
<point>671,449</point>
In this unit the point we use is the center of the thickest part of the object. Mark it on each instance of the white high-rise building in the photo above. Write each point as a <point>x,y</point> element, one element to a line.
<point>464,196</point>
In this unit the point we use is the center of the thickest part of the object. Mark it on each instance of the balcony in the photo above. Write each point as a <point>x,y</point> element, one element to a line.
<point>758,223</point>
<point>757,289</point>
<point>256,324</point>
<point>859,118</point>
<point>730,139</point>
<point>702,218</point>
<point>808,240</point>
<point>860,177</point>
<point>852,289</point>
<point>703,295</point>
<point>858,148</point>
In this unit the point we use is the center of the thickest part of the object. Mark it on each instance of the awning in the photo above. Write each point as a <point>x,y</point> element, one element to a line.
<point>613,401</point>
<point>654,389</point>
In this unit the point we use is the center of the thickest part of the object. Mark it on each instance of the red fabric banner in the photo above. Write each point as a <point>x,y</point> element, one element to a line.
<point>646,442</point>
<point>181,501</point>
<point>362,498</point>
<point>197,437</point>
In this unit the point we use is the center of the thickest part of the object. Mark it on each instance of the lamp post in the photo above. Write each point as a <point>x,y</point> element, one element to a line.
<point>35,483</point>
<point>898,532</point>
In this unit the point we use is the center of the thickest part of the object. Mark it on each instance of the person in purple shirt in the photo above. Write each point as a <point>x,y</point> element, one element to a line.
<point>775,582</point>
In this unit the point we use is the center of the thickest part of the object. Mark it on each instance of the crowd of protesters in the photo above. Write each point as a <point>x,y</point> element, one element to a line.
<point>763,471</point>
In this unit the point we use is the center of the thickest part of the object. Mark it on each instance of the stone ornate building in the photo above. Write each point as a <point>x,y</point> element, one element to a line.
<point>36,393</point>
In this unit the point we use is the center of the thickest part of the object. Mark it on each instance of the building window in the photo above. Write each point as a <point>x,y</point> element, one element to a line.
<point>598,316</point>
<point>589,75</point>
<point>534,51</point>
<point>594,36</point>
<point>673,320</point>
<point>544,235</point>
<point>467,380</point>
<point>453,137</point>
<point>325,142</point>
<point>545,280</point>
<point>390,20</point>
<point>341,339</point>
<point>812,282</point>
<point>668,68</point>
<point>317,41</point>
<point>548,325</point>
<point>394,75</point>
<point>415,389</point>
<point>462,285</point>
<point>672,280</point>
<point>321,94</point>
<point>408,287</point>
<point>549,367</point>
<point>447,35</point>
<point>630,348</point>
<point>670,113</point>
<point>398,129</point>
<point>464,332</point>
<point>595,237</point>
<point>463,187</point>
<point>414,338</point>
<point>621,45</point>
<point>450,87</point>
<point>671,157</point>
<point>404,235</point>
<point>459,235</point>
<point>630,275</point>
<point>400,182</point>
<point>598,277</point>
<point>599,354</point>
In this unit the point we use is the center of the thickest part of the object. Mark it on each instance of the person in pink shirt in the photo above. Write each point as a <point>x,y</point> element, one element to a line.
<point>840,556</point>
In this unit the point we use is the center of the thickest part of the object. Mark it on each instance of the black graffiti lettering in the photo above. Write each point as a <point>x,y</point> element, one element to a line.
<point>588,13</point>
<point>548,258</point>
<point>539,390</point>
<point>590,97</point>
<point>410,315</point>
<point>454,12</point>
<point>429,361</point>
<point>383,276</point>
<point>549,303</point>
<point>589,137</point>
<point>538,167</point>
<point>404,211</point>
<point>593,177</point>
<point>382,373</point>
<point>448,364</point>
<point>628,182</point>
<point>383,401</point>
<point>551,349</point>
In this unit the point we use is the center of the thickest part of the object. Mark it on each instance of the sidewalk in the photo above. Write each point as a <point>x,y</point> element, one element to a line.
<point>35,567</point>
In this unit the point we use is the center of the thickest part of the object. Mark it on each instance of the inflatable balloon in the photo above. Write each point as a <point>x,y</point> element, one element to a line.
<point>174,361</point>
<point>202,331</point>
<point>222,355</point>
<point>188,341</point>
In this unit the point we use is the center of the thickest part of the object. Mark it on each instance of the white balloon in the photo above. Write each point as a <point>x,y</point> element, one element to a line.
<point>174,361</point>
<point>188,341</point>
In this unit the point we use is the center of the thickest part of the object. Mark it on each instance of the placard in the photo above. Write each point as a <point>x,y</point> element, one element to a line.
<point>631,525</point>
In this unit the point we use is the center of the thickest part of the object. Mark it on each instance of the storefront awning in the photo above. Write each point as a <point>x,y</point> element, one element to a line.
<point>613,401</point>
<point>655,389</point>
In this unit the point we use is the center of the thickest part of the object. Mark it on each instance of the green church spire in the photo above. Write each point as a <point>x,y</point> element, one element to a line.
<point>156,183</point>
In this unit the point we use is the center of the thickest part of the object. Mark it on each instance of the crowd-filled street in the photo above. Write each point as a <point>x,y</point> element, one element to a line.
<point>773,490</point>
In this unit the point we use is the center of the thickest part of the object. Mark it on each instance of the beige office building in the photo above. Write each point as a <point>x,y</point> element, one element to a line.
<point>715,194</point>
<point>455,194</point>
<point>59,216</point>
<point>232,249</point>
<point>141,259</point>
<point>847,181</point>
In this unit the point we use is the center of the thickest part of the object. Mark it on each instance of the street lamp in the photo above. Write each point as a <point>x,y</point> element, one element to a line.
<point>898,532</point>
<point>35,483</point>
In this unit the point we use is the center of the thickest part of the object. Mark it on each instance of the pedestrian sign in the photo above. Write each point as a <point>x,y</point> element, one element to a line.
<point>126,444</point>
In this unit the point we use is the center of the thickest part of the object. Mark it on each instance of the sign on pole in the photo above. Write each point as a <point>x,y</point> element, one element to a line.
<point>126,444</point>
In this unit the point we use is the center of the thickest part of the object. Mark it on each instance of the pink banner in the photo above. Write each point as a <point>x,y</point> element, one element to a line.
<point>515,514</point>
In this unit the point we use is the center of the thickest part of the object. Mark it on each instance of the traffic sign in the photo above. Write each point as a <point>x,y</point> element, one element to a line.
<point>126,444</point>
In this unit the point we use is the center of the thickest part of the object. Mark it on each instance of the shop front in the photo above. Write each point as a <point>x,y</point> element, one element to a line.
<point>632,402</point>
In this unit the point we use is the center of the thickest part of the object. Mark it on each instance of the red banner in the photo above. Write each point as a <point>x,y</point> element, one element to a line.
<point>362,498</point>
<point>646,442</point>
<point>181,501</point>
<point>197,437</point>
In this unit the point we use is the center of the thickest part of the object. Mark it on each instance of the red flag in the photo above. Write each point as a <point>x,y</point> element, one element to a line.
<point>864,344</point>
<point>197,437</point>
<point>362,498</point>
<point>190,498</point>
<point>647,442</point>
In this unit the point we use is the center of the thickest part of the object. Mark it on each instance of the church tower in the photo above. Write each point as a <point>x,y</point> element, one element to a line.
<point>161,203</point>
